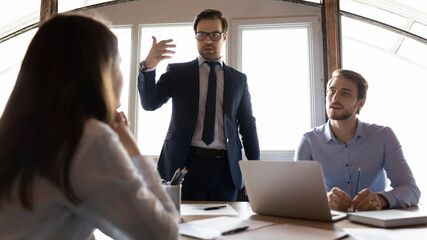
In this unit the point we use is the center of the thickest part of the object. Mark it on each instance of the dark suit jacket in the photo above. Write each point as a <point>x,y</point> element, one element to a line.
<point>181,83</point>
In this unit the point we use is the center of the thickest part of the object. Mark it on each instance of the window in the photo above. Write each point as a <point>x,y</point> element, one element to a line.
<point>123,35</point>
<point>281,73</point>
<point>290,72</point>
<point>419,29</point>
<point>17,14</point>
<point>376,13</point>
<point>153,125</point>
<point>15,49</point>
<point>67,5</point>
<point>396,88</point>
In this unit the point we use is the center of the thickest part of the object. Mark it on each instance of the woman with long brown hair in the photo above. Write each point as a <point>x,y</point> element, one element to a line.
<point>67,158</point>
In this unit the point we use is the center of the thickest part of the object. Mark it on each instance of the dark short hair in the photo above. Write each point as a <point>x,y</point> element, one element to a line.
<point>362,84</point>
<point>211,14</point>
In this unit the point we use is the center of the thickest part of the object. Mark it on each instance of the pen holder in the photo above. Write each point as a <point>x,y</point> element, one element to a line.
<point>174,192</point>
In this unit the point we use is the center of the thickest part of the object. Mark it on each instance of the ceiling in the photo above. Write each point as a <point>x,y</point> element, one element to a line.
<point>18,14</point>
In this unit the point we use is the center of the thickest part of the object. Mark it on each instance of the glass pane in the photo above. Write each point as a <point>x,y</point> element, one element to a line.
<point>396,95</point>
<point>183,38</point>
<point>15,50</point>
<point>372,12</point>
<point>67,5</point>
<point>17,14</point>
<point>414,51</point>
<point>314,1</point>
<point>124,36</point>
<point>278,76</point>
<point>419,29</point>
<point>368,33</point>
<point>153,125</point>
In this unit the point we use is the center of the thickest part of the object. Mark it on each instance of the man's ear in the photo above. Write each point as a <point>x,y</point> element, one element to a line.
<point>361,104</point>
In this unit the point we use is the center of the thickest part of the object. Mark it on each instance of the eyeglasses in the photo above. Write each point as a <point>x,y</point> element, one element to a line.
<point>214,36</point>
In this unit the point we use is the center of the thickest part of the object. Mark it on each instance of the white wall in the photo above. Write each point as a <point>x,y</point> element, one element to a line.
<point>166,11</point>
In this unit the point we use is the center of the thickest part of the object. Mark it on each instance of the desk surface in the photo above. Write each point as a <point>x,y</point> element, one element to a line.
<point>245,211</point>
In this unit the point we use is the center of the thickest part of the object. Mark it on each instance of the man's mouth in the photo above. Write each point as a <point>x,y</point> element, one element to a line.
<point>335,106</point>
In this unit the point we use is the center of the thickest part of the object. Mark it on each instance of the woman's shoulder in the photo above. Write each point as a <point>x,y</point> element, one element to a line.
<point>95,128</point>
<point>96,134</point>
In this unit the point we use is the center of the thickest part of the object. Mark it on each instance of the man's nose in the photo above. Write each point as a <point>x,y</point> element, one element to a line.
<point>208,39</point>
<point>335,97</point>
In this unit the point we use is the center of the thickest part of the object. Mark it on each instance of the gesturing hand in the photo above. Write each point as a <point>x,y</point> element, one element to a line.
<point>158,52</point>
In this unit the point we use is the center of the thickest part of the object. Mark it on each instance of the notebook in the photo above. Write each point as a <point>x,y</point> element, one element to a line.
<point>288,189</point>
<point>388,218</point>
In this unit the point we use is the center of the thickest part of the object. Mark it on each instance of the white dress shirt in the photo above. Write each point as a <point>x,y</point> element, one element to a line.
<point>120,196</point>
<point>219,138</point>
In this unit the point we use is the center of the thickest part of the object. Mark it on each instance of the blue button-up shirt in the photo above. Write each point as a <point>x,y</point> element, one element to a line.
<point>378,153</point>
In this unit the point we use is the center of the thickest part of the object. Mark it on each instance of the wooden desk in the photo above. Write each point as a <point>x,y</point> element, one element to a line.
<point>245,211</point>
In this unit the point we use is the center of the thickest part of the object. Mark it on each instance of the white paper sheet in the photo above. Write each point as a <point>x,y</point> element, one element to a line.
<point>197,209</point>
<point>213,227</point>
<point>286,231</point>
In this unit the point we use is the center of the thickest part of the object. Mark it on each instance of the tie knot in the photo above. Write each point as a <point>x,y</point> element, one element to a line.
<point>212,65</point>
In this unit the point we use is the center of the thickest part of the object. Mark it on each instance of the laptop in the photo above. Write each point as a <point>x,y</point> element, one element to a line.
<point>288,189</point>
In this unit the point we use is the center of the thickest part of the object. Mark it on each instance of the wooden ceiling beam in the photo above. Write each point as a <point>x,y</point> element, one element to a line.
<point>332,36</point>
<point>48,9</point>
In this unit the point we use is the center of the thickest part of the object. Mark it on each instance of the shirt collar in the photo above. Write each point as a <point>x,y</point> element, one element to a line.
<point>201,60</point>
<point>360,132</point>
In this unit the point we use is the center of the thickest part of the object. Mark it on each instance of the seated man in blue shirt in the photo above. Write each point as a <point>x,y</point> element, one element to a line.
<point>345,144</point>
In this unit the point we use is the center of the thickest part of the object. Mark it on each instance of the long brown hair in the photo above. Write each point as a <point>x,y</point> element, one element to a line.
<point>61,84</point>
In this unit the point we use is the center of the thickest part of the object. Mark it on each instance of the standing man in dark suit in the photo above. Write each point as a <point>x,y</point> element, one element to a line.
<point>210,152</point>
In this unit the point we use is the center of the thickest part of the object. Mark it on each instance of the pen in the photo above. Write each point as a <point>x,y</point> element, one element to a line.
<point>236,230</point>
<point>214,208</point>
<point>180,177</point>
<point>357,185</point>
<point>176,180</point>
<point>175,175</point>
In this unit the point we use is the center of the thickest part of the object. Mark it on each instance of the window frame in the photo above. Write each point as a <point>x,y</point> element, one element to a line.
<point>317,81</point>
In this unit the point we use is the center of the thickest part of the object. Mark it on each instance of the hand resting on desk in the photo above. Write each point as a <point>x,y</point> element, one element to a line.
<point>339,200</point>
<point>365,200</point>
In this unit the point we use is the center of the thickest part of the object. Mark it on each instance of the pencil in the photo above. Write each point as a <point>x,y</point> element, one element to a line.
<point>357,185</point>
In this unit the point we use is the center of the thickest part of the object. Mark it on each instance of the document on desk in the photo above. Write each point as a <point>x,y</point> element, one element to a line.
<point>212,209</point>
<point>287,231</point>
<point>213,228</point>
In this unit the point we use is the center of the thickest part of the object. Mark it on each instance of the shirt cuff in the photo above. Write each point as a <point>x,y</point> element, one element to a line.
<point>144,69</point>
<point>392,203</point>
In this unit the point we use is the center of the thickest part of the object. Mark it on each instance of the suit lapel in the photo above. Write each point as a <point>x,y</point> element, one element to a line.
<point>195,83</point>
<point>228,86</point>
